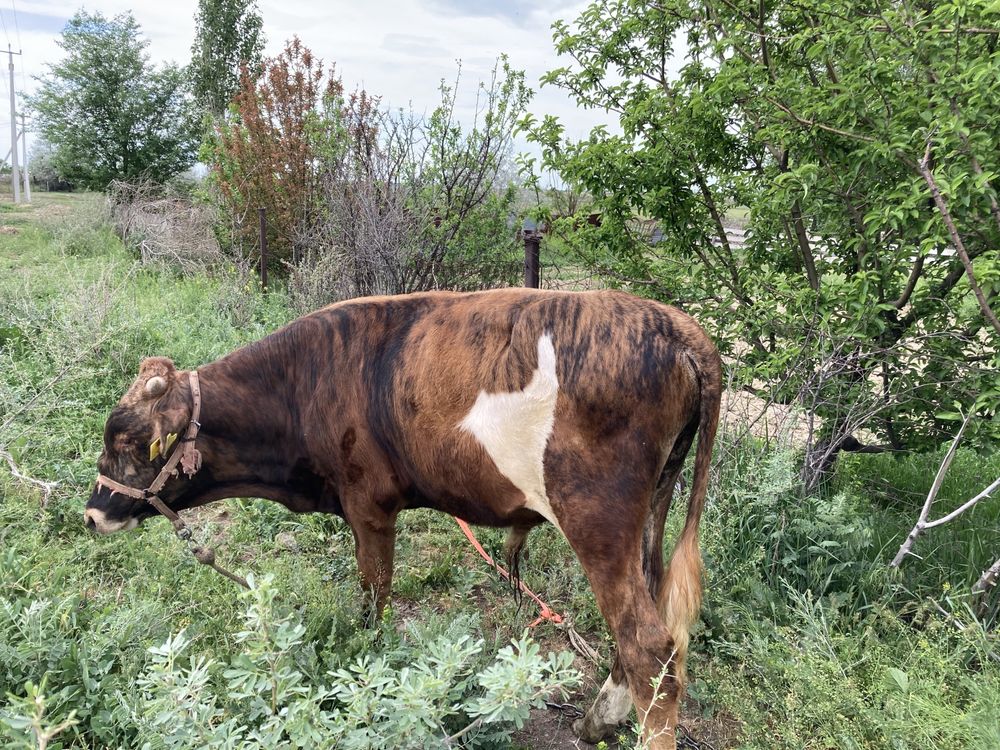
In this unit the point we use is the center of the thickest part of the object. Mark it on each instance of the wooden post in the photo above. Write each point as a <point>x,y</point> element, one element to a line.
<point>262,216</point>
<point>532,243</point>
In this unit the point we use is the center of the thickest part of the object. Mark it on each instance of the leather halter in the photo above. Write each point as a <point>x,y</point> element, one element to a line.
<point>184,454</point>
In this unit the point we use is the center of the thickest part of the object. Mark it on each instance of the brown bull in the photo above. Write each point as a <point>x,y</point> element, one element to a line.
<point>506,408</point>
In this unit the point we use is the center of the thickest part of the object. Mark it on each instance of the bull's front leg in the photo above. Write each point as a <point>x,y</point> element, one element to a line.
<point>374,547</point>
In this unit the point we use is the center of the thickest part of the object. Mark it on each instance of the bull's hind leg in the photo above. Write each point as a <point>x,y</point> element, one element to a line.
<point>606,535</point>
<point>610,708</point>
<point>613,704</point>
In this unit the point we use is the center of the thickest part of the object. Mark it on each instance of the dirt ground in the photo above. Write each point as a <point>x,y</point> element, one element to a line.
<point>548,729</point>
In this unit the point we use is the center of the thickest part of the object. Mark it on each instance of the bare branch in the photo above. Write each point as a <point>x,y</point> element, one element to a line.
<point>965,506</point>
<point>956,239</point>
<point>45,487</point>
<point>922,523</point>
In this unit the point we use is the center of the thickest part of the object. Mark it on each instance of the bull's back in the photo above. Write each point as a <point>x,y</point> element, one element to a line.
<point>489,339</point>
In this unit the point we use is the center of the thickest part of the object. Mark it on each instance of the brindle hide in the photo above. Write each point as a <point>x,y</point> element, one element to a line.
<point>505,408</point>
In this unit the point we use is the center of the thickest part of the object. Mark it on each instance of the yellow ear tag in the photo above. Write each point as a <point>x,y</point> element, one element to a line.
<point>154,447</point>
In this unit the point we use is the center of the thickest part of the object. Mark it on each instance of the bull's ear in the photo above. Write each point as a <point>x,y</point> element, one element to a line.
<point>156,375</point>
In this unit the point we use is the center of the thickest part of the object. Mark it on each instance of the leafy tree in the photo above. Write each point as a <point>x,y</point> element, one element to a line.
<point>860,138</point>
<point>43,169</point>
<point>228,36</point>
<point>108,113</point>
<point>265,156</point>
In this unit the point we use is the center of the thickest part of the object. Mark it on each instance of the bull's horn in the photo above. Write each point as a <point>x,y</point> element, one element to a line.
<point>156,386</point>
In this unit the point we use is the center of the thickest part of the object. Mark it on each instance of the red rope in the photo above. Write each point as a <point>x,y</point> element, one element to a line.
<point>546,612</point>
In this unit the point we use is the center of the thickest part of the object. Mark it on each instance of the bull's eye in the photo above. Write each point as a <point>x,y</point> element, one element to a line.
<point>122,444</point>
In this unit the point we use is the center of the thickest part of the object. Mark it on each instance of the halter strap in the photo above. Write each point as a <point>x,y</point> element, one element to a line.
<point>185,454</point>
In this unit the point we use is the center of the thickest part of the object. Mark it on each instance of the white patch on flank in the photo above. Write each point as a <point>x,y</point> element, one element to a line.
<point>103,526</point>
<point>515,427</point>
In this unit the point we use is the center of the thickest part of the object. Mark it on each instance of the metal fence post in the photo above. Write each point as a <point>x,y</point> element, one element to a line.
<point>262,217</point>
<point>532,243</point>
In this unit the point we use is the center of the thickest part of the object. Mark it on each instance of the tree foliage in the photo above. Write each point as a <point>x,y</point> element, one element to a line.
<point>108,113</point>
<point>264,157</point>
<point>850,293</point>
<point>228,36</point>
<point>43,169</point>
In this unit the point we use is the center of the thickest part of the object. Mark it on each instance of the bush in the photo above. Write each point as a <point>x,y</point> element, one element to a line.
<point>165,225</point>
<point>363,200</point>
<point>827,680</point>
<point>262,156</point>
<point>410,205</point>
<point>422,687</point>
<point>809,638</point>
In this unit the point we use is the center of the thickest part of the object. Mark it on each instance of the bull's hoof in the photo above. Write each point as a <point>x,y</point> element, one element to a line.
<point>591,731</point>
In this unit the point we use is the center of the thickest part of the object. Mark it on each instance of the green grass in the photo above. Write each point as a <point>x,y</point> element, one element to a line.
<point>813,642</point>
<point>807,640</point>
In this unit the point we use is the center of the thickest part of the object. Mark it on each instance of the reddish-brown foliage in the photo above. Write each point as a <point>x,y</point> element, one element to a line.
<point>264,157</point>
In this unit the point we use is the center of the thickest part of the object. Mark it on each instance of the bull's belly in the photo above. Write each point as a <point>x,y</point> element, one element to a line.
<point>498,512</point>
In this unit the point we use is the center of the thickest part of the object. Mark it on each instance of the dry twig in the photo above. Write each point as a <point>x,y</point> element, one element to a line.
<point>45,487</point>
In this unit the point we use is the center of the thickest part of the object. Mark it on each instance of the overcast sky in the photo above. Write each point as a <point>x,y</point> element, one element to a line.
<point>400,49</point>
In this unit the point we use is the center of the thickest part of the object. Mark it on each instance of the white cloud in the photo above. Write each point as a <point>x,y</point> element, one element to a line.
<point>399,49</point>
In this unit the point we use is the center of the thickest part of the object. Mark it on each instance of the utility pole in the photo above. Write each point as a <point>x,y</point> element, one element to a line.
<point>15,177</point>
<point>24,159</point>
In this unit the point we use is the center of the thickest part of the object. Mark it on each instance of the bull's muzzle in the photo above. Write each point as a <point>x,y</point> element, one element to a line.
<point>97,521</point>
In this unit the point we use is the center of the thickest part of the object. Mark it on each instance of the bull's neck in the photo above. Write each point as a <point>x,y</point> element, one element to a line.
<point>252,402</point>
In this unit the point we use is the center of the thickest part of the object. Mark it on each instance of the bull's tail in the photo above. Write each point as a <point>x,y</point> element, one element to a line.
<point>680,591</point>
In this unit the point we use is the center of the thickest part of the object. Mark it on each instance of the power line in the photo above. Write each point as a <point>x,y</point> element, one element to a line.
<point>16,26</point>
<point>20,62</point>
<point>5,33</point>
<point>2,77</point>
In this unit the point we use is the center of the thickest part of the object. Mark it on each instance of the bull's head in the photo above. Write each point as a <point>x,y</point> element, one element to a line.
<point>137,438</point>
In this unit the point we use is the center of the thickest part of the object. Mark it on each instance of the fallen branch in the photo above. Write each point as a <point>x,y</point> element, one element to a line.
<point>905,548</point>
<point>45,487</point>
<point>988,580</point>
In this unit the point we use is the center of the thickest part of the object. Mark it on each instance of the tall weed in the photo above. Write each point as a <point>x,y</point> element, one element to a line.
<point>813,643</point>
